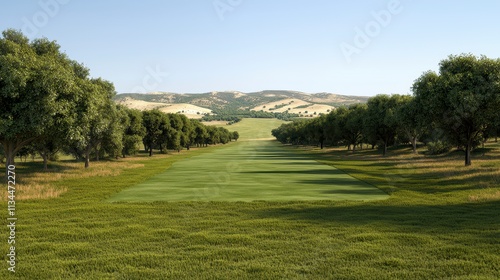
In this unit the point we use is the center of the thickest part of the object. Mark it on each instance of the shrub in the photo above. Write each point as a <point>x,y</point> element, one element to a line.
<point>438,147</point>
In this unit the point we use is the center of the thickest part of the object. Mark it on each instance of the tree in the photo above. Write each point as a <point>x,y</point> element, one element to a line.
<point>152,122</point>
<point>134,130</point>
<point>201,134</point>
<point>316,130</point>
<point>112,139</point>
<point>463,98</point>
<point>54,135</point>
<point>187,132</point>
<point>36,90</point>
<point>224,135</point>
<point>349,123</point>
<point>332,131</point>
<point>213,135</point>
<point>172,132</point>
<point>95,120</point>
<point>381,122</point>
<point>412,120</point>
<point>235,135</point>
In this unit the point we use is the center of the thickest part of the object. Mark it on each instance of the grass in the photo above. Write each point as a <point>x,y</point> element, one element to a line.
<point>248,171</point>
<point>255,128</point>
<point>442,221</point>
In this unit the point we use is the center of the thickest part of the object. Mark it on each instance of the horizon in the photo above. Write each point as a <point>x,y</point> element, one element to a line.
<point>243,92</point>
<point>355,49</point>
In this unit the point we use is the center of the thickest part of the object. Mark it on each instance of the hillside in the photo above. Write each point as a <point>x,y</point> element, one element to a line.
<point>190,110</point>
<point>269,100</point>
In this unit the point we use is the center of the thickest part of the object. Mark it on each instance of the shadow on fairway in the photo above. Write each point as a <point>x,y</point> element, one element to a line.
<point>354,191</point>
<point>330,171</point>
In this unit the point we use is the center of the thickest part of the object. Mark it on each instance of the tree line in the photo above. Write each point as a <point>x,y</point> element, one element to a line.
<point>49,103</point>
<point>233,116</point>
<point>457,107</point>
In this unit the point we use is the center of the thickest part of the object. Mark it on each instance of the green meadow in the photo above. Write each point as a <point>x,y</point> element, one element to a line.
<point>265,212</point>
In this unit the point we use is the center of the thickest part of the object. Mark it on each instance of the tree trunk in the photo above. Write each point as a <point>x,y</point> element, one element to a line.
<point>87,157</point>
<point>468,149</point>
<point>385,149</point>
<point>10,149</point>
<point>414,144</point>
<point>321,144</point>
<point>353,148</point>
<point>45,161</point>
<point>151,151</point>
<point>9,157</point>
<point>9,161</point>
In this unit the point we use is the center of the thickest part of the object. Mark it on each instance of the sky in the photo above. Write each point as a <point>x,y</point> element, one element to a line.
<point>364,47</point>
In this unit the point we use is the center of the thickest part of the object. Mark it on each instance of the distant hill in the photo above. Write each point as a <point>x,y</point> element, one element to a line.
<point>195,105</point>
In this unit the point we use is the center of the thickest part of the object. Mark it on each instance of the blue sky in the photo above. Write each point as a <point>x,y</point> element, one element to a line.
<point>192,46</point>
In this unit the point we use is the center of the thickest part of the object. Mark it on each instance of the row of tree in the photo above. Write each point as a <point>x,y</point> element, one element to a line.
<point>49,103</point>
<point>457,107</point>
<point>235,115</point>
<point>173,131</point>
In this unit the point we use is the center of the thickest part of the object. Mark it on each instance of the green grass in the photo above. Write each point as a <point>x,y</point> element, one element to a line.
<point>252,169</point>
<point>255,128</point>
<point>442,221</point>
<point>248,171</point>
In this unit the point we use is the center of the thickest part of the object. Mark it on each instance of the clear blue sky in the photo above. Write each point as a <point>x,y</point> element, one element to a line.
<point>253,45</point>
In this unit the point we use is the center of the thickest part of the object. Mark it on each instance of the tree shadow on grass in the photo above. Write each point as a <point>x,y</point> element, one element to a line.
<point>37,166</point>
<point>358,191</point>
<point>411,218</point>
<point>330,171</point>
<point>405,175</point>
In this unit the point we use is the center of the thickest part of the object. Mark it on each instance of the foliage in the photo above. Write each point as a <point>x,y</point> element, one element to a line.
<point>134,130</point>
<point>438,147</point>
<point>462,99</point>
<point>36,91</point>
<point>458,106</point>
<point>236,115</point>
<point>174,131</point>
<point>381,123</point>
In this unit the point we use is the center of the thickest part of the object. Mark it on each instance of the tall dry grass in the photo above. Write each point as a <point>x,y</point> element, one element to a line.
<point>40,184</point>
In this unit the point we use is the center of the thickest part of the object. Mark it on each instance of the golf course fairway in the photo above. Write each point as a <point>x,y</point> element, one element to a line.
<point>248,170</point>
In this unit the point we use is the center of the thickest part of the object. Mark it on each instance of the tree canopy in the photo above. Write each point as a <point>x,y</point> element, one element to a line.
<point>456,107</point>
<point>463,99</point>
<point>49,103</point>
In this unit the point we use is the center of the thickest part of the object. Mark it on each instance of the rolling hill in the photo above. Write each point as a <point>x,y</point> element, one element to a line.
<point>195,105</point>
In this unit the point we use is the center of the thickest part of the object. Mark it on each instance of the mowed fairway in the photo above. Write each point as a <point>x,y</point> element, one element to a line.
<point>255,168</point>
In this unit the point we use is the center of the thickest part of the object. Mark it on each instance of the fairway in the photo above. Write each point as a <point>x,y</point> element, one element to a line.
<point>249,170</point>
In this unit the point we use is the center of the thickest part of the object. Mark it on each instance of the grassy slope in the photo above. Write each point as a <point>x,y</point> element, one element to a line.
<point>442,221</point>
<point>255,128</point>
